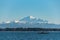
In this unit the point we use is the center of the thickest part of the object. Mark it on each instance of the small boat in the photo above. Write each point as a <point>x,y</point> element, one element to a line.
<point>43,32</point>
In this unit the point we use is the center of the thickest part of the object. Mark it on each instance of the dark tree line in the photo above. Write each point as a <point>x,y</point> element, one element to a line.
<point>29,29</point>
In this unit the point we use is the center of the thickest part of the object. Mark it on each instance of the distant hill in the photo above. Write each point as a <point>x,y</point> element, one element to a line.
<point>29,22</point>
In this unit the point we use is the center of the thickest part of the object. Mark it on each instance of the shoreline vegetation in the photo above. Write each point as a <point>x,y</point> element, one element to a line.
<point>29,29</point>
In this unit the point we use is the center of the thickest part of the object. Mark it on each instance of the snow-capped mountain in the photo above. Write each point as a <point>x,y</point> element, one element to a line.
<point>28,22</point>
<point>7,22</point>
<point>32,19</point>
<point>28,18</point>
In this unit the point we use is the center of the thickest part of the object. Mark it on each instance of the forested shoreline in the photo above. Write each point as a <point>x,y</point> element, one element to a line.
<point>29,29</point>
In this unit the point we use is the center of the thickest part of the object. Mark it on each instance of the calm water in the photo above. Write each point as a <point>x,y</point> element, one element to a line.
<point>29,36</point>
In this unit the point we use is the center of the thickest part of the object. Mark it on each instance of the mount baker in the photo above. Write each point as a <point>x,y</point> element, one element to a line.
<point>28,22</point>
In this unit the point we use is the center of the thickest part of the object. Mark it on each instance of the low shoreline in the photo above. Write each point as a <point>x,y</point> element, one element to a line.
<point>29,29</point>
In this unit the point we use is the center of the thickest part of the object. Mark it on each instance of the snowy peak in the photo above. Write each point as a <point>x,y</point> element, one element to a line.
<point>28,18</point>
<point>32,19</point>
<point>7,22</point>
<point>17,21</point>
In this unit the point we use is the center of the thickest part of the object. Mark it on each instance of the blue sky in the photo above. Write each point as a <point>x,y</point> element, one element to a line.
<point>44,9</point>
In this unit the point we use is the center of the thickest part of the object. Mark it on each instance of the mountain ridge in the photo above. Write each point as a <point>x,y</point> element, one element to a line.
<point>28,22</point>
